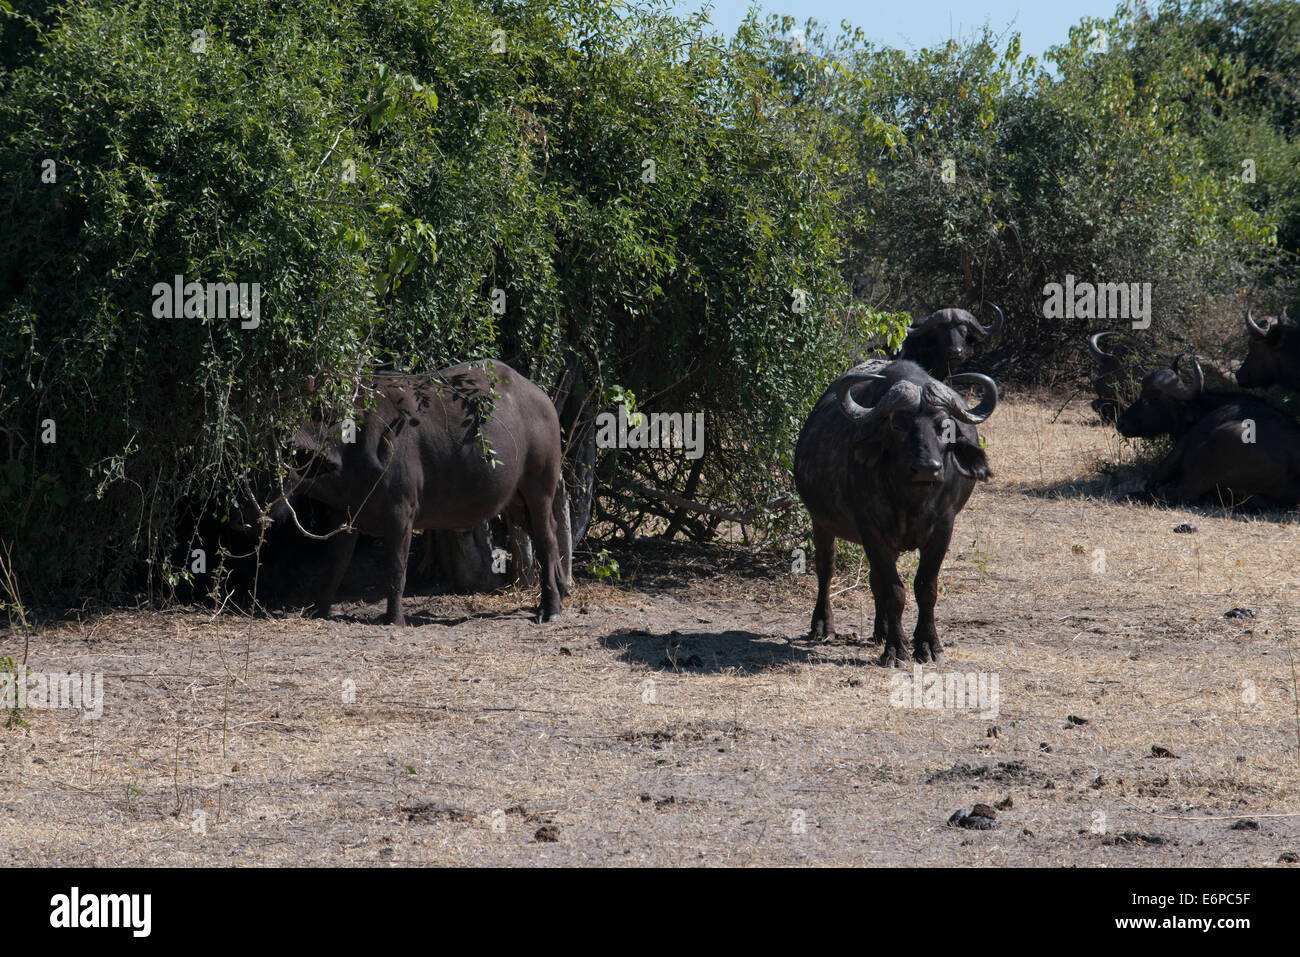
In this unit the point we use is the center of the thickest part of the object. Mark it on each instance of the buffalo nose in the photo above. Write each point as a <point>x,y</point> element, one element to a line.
<point>930,470</point>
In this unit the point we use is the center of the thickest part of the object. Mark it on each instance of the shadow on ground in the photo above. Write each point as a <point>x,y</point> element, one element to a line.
<point>711,652</point>
<point>1132,492</point>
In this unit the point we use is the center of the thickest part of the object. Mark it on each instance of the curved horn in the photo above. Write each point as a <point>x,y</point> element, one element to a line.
<point>1182,390</point>
<point>848,405</point>
<point>985,331</point>
<point>988,401</point>
<point>924,324</point>
<point>1255,328</point>
<point>1094,346</point>
<point>1282,316</point>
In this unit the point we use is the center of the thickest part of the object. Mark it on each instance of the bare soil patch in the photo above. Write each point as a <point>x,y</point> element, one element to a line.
<point>678,716</point>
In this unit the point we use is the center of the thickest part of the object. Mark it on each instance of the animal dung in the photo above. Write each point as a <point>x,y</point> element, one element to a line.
<point>981,818</point>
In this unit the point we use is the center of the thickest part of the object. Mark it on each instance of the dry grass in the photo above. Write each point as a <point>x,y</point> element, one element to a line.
<point>474,731</point>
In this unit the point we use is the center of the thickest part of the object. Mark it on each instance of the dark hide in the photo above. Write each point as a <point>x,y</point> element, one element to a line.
<point>1273,356</point>
<point>1211,454</point>
<point>417,464</point>
<point>1214,460</point>
<point>940,343</point>
<point>892,483</point>
<point>1170,405</point>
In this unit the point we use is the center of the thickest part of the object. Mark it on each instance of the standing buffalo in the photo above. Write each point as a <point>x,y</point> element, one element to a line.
<point>1115,377</point>
<point>423,459</point>
<point>941,342</point>
<point>1274,354</point>
<point>890,469</point>
<point>1228,443</point>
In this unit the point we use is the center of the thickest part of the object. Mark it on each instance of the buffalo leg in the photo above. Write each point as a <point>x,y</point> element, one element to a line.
<point>523,571</point>
<point>340,556</point>
<point>823,625</point>
<point>890,599</point>
<point>564,537</point>
<point>925,640</point>
<point>398,541</point>
<point>1168,468</point>
<point>538,499</point>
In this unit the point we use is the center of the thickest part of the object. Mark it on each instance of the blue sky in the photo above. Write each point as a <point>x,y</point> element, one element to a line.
<point>921,23</point>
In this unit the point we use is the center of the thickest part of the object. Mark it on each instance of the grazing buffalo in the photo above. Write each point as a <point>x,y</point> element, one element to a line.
<point>1114,381</point>
<point>1274,354</point>
<point>1230,444</point>
<point>940,342</point>
<point>422,459</point>
<point>888,457</point>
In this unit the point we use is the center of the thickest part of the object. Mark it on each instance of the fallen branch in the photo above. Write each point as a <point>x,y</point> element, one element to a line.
<point>745,517</point>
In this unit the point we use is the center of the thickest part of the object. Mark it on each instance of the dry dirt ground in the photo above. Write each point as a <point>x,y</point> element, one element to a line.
<point>678,716</point>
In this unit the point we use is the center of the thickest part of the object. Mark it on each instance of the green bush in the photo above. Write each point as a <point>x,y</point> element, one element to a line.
<point>1096,171</point>
<point>379,169</point>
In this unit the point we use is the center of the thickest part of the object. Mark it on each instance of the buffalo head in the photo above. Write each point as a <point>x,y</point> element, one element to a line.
<point>272,495</point>
<point>1164,404</point>
<point>943,340</point>
<point>1114,375</point>
<point>1274,353</point>
<point>260,502</point>
<point>920,425</point>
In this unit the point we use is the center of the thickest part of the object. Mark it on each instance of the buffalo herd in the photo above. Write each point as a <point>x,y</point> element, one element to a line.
<point>1230,446</point>
<point>887,458</point>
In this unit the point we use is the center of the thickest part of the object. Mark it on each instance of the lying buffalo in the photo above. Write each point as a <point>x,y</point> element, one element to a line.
<point>940,342</point>
<point>1166,405</point>
<point>1228,444</point>
<point>888,457</point>
<point>1274,354</point>
<point>422,459</point>
<point>1115,380</point>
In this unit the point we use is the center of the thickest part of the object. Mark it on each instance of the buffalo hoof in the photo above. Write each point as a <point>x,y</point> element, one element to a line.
<point>894,656</point>
<point>821,630</point>
<point>546,614</point>
<point>320,611</point>
<point>926,652</point>
<point>398,620</point>
<point>829,637</point>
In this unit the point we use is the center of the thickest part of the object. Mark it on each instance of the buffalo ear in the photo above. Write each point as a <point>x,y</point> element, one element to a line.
<point>970,460</point>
